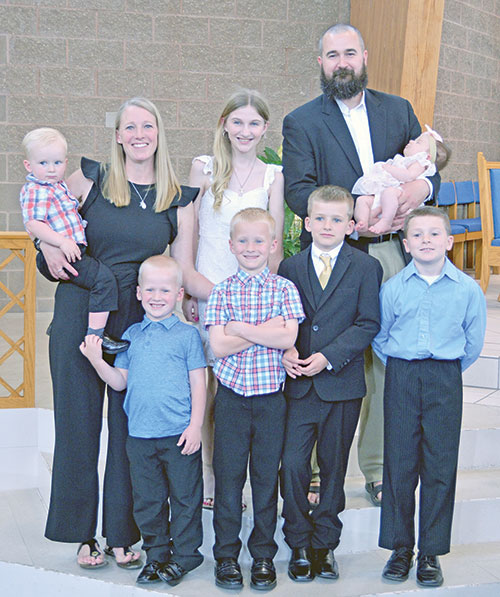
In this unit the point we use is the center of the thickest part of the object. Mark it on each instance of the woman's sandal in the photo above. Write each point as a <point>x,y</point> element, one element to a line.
<point>314,489</point>
<point>208,503</point>
<point>374,490</point>
<point>127,551</point>
<point>95,552</point>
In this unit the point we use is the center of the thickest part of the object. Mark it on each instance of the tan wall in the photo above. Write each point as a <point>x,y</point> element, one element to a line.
<point>467,109</point>
<point>65,63</point>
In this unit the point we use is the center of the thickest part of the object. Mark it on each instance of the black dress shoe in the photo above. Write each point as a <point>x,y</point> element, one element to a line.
<point>429,572</point>
<point>228,573</point>
<point>263,574</point>
<point>112,346</point>
<point>300,566</point>
<point>149,573</point>
<point>171,573</point>
<point>399,564</point>
<point>324,564</point>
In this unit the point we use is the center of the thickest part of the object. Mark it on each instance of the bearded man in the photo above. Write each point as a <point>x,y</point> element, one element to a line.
<point>333,140</point>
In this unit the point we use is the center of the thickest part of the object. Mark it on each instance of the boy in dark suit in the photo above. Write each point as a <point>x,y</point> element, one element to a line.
<point>339,287</point>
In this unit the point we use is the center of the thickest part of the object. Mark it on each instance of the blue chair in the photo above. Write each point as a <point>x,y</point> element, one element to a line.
<point>448,200</point>
<point>467,197</point>
<point>489,192</point>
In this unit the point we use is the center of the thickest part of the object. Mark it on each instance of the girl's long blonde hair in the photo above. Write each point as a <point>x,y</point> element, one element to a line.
<point>116,187</point>
<point>223,163</point>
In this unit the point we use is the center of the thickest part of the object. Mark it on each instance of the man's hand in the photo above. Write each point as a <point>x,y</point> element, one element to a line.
<point>414,193</point>
<point>191,438</point>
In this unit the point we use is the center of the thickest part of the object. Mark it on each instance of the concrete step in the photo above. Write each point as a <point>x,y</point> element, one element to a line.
<point>472,571</point>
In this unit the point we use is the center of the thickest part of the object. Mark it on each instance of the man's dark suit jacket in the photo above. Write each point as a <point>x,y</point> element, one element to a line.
<point>318,148</point>
<point>340,326</point>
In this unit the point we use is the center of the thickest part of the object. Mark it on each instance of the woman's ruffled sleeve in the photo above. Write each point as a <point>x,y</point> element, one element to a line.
<point>208,160</point>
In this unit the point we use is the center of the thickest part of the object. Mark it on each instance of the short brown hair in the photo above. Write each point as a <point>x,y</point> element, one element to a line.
<point>161,262</point>
<point>254,214</point>
<point>331,194</point>
<point>428,210</point>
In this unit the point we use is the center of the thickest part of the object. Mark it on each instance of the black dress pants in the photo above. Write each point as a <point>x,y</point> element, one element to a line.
<point>168,495</point>
<point>247,427</point>
<point>332,425</point>
<point>422,418</point>
<point>93,276</point>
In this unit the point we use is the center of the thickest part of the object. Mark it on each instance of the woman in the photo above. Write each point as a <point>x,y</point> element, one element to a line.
<point>135,208</point>
<point>233,179</point>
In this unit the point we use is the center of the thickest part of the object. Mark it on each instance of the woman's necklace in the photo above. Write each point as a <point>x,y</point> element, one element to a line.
<point>240,193</point>
<point>142,201</point>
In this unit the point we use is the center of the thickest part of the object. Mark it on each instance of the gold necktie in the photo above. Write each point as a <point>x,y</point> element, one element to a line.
<point>327,269</point>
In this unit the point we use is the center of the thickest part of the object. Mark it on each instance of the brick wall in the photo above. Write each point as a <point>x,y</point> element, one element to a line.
<point>467,110</point>
<point>65,63</point>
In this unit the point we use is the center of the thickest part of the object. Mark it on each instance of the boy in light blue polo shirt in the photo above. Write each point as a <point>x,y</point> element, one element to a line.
<point>163,372</point>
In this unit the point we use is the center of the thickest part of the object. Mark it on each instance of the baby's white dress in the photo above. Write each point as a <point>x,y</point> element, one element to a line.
<point>214,259</point>
<point>378,179</point>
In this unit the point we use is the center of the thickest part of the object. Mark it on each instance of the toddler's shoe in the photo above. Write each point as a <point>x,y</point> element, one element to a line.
<point>111,345</point>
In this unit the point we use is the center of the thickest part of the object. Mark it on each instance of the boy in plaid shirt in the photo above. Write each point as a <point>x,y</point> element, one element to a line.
<point>252,317</point>
<point>50,213</point>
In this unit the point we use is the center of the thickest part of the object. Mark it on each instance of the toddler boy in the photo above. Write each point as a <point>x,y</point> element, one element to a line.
<point>50,213</point>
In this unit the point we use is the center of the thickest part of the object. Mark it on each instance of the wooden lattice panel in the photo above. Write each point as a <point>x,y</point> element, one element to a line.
<point>17,251</point>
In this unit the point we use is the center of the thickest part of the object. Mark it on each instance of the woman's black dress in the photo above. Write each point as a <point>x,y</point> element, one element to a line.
<point>121,237</point>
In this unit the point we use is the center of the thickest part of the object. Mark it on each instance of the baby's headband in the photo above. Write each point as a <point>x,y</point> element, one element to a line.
<point>433,137</point>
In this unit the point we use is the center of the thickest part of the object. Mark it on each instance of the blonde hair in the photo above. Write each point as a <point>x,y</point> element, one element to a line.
<point>164,262</point>
<point>331,194</point>
<point>116,187</point>
<point>250,215</point>
<point>42,137</point>
<point>223,162</point>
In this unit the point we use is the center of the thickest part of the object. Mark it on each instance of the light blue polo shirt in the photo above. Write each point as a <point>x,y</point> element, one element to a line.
<point>159,358</point>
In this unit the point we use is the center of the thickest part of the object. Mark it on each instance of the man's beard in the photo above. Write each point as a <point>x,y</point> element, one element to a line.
<point>344,83</point>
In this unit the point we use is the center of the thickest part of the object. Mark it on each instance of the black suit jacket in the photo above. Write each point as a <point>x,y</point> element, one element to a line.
<point>340,326</point>
<point>318,148</point>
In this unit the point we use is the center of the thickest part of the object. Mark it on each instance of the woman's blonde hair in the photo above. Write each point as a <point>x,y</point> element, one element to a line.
<point>223,163</point>
<point>116,187</point>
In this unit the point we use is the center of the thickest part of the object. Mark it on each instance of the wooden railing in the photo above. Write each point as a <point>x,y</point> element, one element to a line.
<point>19,393</point>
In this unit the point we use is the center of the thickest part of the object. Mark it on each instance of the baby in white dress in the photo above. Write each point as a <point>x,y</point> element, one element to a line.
<point>379,190</point>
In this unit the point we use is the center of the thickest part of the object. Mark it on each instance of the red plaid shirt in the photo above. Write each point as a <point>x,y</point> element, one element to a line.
<point>53,204</point>
<point>258,369</point>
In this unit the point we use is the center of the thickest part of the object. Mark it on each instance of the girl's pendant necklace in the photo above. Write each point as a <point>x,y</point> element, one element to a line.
<point>142,201</point>
<point>242,186</point>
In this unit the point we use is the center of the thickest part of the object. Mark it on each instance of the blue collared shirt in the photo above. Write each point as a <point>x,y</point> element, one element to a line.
<point>159,358</point>
<point>444,321</point>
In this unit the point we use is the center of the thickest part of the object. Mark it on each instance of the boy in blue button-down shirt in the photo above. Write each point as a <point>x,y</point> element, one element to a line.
<point>433,324</point>
<point>164,373</point>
